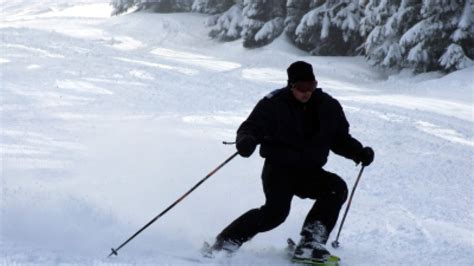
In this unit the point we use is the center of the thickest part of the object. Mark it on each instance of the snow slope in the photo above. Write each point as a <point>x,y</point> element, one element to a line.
<point>106,121</point>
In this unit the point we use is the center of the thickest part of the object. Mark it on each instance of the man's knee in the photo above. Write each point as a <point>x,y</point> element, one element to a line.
<point>339,189</point>
<point>273,216</point>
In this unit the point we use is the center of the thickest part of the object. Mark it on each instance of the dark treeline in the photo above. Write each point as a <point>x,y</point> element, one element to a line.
<point>424,35</point>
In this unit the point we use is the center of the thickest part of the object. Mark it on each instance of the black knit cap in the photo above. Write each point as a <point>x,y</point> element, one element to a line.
<point>300,71</point>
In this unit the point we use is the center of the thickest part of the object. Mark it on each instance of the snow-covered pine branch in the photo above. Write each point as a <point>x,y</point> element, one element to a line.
<point>459,53</point>
<point>263,21</point>
<point>454,58</point>
<point>122,6</point>
<point>429,43</point>
<point>212,6</point>
<point>228,25</point>
<point>295,10</point>
<point>270,30</point>
<point>330,28</point>
<point>384,23</point>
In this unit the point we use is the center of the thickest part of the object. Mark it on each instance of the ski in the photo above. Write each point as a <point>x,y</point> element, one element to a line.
<point>330,261</point>
<point>187,258</point>
<point>206,250</point>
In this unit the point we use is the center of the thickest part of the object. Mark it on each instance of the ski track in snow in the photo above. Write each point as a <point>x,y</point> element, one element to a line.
<point>106,121</point>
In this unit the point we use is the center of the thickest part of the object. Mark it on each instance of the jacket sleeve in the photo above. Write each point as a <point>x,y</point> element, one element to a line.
<point>259,123</point>
<point>344,144</point>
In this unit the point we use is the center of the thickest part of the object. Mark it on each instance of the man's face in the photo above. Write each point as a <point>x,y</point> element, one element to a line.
<point>302,90</point>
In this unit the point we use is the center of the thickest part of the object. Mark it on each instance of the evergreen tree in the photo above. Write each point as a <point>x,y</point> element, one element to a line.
<point>422,34</point>
<point>212,6</point>
<point>455,57</point>
<point>164,6</point>
<point>373,28</point>
<point>346,15</point>
<point>330,28</point>
<point>263,21</point>
<point>295,9</point>
<point>384,23</point>
<point>121,6</point>
<point>374,15</point>
<point>429,43</point>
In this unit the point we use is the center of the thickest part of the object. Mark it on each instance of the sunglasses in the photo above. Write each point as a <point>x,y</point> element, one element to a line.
<point>305,86</point>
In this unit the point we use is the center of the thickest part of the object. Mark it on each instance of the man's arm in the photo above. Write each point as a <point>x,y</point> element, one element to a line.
<point>344,144</point>
<point>252,131</point>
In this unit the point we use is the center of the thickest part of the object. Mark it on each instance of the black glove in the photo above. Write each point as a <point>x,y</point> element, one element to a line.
<point>366,156</point>
<point>246,145</point>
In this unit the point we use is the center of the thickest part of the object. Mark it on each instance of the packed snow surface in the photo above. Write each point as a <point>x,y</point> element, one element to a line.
<point>105,121</point>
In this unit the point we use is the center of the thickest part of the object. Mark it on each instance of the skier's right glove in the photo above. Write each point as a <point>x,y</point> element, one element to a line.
<point>366,156</point>
<point>246,145</point>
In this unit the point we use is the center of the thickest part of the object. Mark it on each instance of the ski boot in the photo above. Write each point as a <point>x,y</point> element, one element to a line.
<point>310,251</point>
<point>311,248</point>
<point>228,246</point>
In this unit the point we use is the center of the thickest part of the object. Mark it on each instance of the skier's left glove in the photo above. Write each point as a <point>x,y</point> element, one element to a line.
<point>366,156</point>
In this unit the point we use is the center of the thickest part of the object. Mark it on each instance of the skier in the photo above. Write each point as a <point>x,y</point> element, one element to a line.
<point>296,127</point>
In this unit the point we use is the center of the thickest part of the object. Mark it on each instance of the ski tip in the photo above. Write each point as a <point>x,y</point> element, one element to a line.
<point>290,242</point>
<point>206,250</point>
<point>333,258</point>
<point>315,262</point>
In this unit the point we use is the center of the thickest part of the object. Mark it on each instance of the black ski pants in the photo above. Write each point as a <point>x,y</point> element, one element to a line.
<point>280,184</point>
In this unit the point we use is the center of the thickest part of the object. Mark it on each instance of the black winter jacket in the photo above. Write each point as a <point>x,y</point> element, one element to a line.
<point>297,134</point>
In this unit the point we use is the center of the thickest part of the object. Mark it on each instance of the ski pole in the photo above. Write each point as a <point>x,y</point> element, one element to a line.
<point>335,243</point>
<point>114,251</point>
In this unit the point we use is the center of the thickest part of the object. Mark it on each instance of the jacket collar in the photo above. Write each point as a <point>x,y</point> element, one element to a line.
<point>316,97</point>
